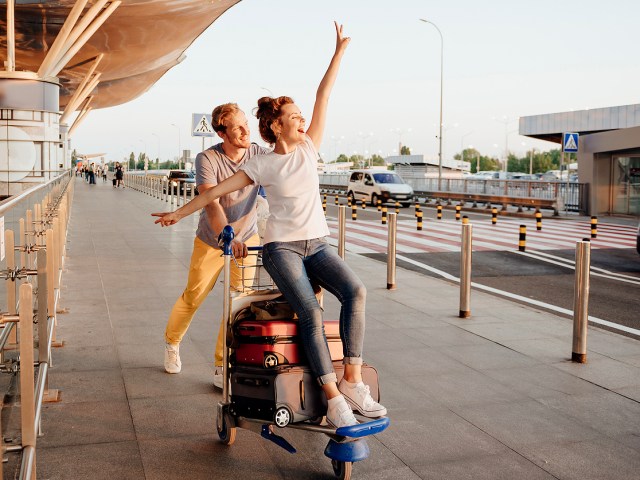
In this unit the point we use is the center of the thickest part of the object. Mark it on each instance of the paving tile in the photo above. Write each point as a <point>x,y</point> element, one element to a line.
<point>174,416</point>
<point>80,358</point>
<point>154,382</point>
<point>152,355</point>
<point>486,356</point>
<point>88,386</point>
<point>70,424</point>
<point>505,466</point>
<point>586,460</point>
<point>606,372</point>
<point>103,461</point>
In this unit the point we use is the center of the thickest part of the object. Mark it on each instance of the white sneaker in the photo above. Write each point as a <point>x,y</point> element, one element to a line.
<point>217,377</point>
<point>172,363</point>
<point>341,414</point>
<point>359,397</point>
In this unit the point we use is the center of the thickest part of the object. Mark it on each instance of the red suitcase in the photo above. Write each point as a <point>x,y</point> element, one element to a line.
<point>270,343</point>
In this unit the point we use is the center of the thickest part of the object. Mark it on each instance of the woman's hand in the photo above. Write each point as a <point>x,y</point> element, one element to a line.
<point>167,218</point>
<point>341,41</point>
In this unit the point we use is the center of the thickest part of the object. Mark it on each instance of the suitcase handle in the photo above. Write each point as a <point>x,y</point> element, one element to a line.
<point>253,382</point>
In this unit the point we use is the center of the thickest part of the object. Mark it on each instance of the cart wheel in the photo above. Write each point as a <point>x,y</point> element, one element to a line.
<point>316,420</point>
<point>227,431</point>
<point>282,417</point>
<point>342,470</point>
<point>270,361</point>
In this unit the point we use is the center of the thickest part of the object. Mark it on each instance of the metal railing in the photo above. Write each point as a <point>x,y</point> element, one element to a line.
<point>33,263</point>
<point>569,196</point>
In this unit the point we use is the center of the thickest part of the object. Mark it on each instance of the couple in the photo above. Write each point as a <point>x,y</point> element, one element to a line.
<point>295,251</point>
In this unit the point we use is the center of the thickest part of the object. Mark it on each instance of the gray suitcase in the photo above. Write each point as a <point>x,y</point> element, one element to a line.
<point>285,394</point>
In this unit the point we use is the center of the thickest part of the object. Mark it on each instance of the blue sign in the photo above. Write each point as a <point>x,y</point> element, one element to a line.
<point>570,142</point>
<point>201,125</point>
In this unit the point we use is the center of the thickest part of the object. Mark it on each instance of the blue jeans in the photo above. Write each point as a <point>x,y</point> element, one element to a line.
<point>293,266</point>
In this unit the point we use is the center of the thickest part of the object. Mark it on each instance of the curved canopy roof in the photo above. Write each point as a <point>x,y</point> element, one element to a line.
<point>140,41</point>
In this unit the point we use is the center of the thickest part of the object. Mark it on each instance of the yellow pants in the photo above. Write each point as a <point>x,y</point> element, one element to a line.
<point>206,265</point>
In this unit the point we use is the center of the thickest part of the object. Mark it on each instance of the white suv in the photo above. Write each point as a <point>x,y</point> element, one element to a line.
<point>374,185</point>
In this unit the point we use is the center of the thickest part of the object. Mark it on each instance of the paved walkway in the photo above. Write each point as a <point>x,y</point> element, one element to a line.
<point>490,397</point>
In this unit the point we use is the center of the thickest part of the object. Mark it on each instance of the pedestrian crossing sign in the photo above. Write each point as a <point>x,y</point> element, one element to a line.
<point>570,142</point>
<point>201,125</point>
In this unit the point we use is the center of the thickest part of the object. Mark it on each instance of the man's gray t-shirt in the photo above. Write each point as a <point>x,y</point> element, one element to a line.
<point>212,167</point>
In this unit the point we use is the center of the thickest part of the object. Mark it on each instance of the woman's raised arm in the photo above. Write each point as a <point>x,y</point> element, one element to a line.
<point>319,117</point>
<point>235,182</point>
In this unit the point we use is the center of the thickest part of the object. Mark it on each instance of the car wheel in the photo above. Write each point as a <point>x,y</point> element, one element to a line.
<point>374,200</point>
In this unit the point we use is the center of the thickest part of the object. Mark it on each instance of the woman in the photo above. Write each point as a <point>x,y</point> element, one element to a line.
<point>295,252</point>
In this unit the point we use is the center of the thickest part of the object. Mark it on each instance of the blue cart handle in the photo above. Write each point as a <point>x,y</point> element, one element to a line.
<point>225,238</point>
<point>364,429</point>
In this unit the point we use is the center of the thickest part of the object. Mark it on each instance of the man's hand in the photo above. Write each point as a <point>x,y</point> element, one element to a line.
<point>167,218</point>
<point>239,249</point>
<point>341,41</point>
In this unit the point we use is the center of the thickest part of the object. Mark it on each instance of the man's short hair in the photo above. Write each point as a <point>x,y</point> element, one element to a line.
<point>221,113</point>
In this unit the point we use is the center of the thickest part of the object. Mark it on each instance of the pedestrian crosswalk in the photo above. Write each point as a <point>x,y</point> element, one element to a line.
<point>367,236</point>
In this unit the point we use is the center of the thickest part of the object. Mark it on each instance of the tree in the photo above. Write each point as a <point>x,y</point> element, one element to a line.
<point>377,160</point>
<point>74,157</point>
<point>357,160</point>
<point>342,158</point>
<point>404,150</point>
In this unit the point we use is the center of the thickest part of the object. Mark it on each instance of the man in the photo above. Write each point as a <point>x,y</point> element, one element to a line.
<point>237,209</point>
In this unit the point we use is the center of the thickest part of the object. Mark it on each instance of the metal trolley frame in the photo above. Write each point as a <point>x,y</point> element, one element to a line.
<point>346,445</point>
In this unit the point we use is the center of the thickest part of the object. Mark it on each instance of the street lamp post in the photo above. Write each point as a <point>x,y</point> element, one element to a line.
<point>179,147</point>
<point>157,149</point>
<point>441,91</point>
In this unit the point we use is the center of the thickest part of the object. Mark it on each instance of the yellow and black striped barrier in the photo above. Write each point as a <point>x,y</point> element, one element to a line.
<point>538,220</point>
<point>458,209</point>
<point>379,205</point>
<point>337,200</point>
<point>324,205</point>
<point>384,215</point>
<point>439,214</point>
<point>349,202</point>
<point>397,207</point>
<point>494,216</point>
<point>465,220</point>
<point>354,211</point>
<point>363,203</point>
<point>522,238</point>
<point>594,227</point>
<point>419,220</point>
<point>417,208</point>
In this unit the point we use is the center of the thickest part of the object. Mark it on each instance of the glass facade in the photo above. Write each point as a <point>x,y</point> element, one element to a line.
<point>625,185</point>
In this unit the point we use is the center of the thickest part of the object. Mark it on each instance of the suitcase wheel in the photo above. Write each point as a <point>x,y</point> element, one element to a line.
<point>282,417</point>
<point>270,361</point>
<point>227,430</point>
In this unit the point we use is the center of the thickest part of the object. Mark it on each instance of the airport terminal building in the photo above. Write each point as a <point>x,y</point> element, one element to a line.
<point>608,153</point>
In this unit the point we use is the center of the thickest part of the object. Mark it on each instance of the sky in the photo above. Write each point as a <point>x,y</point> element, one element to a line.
<point>502,60</point>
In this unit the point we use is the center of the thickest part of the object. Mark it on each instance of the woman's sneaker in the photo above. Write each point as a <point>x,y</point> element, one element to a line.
<point>359,397</point>
<point>172,363</point>
<point>339,413</point>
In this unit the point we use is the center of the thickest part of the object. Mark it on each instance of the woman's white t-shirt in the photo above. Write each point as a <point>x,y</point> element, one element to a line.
<point>293,192</point>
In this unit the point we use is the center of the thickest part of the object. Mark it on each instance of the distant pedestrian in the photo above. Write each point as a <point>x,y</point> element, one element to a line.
<point>119,175</point>
<point>105,170</point>
<point>92,174</point>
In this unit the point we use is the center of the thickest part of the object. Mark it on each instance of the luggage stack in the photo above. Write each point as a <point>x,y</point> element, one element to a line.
<point>270,377</point>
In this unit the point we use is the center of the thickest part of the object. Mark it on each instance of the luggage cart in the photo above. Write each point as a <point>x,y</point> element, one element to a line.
<point>346,444</point>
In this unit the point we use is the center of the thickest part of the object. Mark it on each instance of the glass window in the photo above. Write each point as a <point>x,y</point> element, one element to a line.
<point>387,178</point>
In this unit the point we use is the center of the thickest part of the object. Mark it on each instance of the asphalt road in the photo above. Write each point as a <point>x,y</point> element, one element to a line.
<point>610,299</point>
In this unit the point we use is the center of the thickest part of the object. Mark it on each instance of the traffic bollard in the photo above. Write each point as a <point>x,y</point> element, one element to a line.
<point>581,301</point>
<point>465,220</point>
<point>538,220</point>
<point>419,220</point>
<point>342,222</point>
<point>522,238</point>
<point>337,200</point>
<point>458,209</point>
<point>379,205</point>
<point>324,206</point>
<point>384,215</point>
<point>363,203</point>
<point>391,252</point>
<point>397,207</point>
<point>594,227</point>
<point>465,271</point>
<point>354,211</point>
<point>439,214</point>
<point>349,202</point>
<point>417,208</point>
<point>494,216</point>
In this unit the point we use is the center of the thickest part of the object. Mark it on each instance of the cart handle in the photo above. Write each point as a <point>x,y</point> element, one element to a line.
<point>226,237</point>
